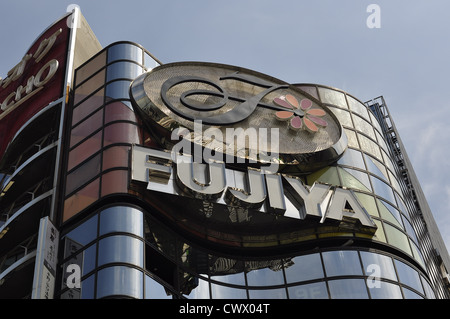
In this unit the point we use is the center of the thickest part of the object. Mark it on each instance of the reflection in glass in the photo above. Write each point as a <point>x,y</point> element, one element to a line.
<point>303,268</point>
<point>268,294</point>
<point>341,263</point>
<point>348,289</point>
<point>223,292</point>
<point>332,97</point>
<point>121,219</point>
<point>125,51</point>
<point>264,276</point>
<point>121,249</point>
<point>87,287</point>
<point>384,263</point>
<point>154,290</point>
<point>428,290</point>
<point>201,291</point>
<point>408,276</point>
<point>85,233</point>
<point>123,70</point>
<point>118,90</point>
<point>316,290</point>
<point>353,158</point>
<point>397,238</point>
<point>385,290</point>
<point>409,294</point>
<point>382,189</point>
<point>121,281</point>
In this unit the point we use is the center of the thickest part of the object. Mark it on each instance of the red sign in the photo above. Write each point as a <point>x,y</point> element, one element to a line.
<point>36,81</point>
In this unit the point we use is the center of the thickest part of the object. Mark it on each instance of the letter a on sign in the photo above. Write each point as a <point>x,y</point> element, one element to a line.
<point>374,20</point>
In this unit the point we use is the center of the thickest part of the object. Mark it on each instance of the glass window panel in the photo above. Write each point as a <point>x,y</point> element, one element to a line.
<point>332,97</point>
<point>116,156</point>
<point>81,199</point>
<point>264,276</point>
<point>236,279</point>
<point>363,126</point>
<point>312,90</point>
<point>125,51</point>
<point>88,106</point>
<point>408,275</point>
<point>351,137</point>
<point>357,107</point>
<point>417,254</point>
<point>88,287</point>
<point>83,174</point>
<point>385,290</point>
<point>382,189</point>
<point>368,202</point>
<point>90,67</point>
<point>350,181</point>
<point>376,167</point>
<point>385,264</point>
<point>428,290</point>
<point>199,291</point>
<point>353,158</point>
<point>123,70</point>
<point>149,62</point>
<point>81,236</point>
<point>409,229</point>
<point>369,146</point>
<point>118,111</point>
<point>375,122</point>
<point>223,292</point>
<point>121,133</point>
<point>341,263</point>
<point>268,294</point>
<point>154,290</point>
<point>122,219</point>
<point>409,294</point>
<point>379,234</point>
<point>89,87</point>
<point>387,214</point>
<point>360,176</point>
<point>394,182</point>
<point>343,116</point>
<point>84,150</point>
<point>303,268</point>
<point>381,141</point>
<point>388,161</point>
<point>86,128</point>
<point>121,249</point>
<point>311,291</point>
<point>121,281</point>
<point>348,289</point>
<point>117,90</point>
<point>396,238</point>
<point>115,182</point>
<point>326,175</point>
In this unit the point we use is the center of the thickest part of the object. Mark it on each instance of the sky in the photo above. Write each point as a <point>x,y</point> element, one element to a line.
<point>405,59</point>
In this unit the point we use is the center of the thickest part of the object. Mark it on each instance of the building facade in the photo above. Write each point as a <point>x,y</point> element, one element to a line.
<point>136,192</point>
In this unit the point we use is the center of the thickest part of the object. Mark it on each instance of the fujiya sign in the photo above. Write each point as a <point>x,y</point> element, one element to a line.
<point>274,191</point>
<point>34,83</point>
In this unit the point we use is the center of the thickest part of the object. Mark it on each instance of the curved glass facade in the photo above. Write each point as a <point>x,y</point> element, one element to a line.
<point>123,252</point>
<point>126,250</point>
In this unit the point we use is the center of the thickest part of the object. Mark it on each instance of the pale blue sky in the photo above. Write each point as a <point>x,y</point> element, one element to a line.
<point>322,41</point>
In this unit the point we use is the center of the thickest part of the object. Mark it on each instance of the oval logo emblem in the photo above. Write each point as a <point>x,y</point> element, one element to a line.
<point>238,116</point>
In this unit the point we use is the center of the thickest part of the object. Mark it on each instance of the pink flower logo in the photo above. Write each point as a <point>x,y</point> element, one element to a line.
<point>300,114</point>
